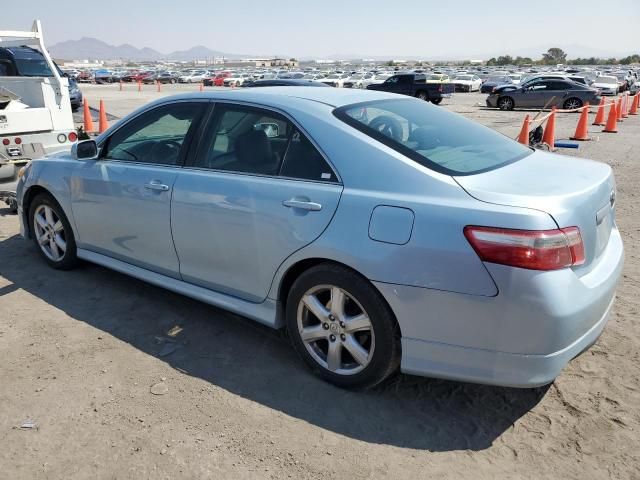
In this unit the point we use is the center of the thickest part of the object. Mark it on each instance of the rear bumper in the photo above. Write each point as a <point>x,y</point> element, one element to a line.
<point>489,367</point>
<point>522,337</point>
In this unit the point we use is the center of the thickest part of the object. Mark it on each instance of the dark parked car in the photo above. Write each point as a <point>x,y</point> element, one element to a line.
<point>544,92</point>
<point>284,82</point>
<point>414,85</point>
<point>29,62</point>
<point>162,77</point>
<point>492,82</point>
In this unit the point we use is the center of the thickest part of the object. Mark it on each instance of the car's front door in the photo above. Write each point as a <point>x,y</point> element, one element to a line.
<point>121,201</point>
<point>532,96</point>
<point>257,191</point>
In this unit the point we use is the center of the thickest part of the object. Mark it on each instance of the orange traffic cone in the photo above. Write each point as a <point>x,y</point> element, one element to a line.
<point>612,121</point>
<point>549,136</point>
<point>88,120</point>
<point>120,85</point>
<point>625,106</point>
<point>600,114</point>
<point>201,86</point>
<point>523,138</point>
<point>158,82</point>
<point>619,110</point>
<point>139,86</point>
<point>582,132</point>
<point>103,125</point>
<point>634,104</point>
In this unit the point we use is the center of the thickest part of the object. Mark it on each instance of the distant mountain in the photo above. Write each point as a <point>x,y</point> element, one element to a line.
<point>91,48</point>
<point>94,49</point>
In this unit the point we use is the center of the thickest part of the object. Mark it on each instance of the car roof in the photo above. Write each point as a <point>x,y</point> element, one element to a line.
<point>278,96</point>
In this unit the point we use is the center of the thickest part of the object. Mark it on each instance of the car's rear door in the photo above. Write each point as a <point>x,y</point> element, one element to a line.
<point>257,191</point>
<point>121,202</point>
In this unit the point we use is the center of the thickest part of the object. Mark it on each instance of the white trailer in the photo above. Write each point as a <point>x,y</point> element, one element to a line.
<point>35,113</point>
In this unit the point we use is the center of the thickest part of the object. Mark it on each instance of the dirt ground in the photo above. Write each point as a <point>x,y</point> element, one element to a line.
<point>120,379</point>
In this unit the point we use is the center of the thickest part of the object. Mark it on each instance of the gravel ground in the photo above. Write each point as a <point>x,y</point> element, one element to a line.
<point>104,376</point>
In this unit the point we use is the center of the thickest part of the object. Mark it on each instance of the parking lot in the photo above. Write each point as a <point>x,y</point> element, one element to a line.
<point>112,374</point>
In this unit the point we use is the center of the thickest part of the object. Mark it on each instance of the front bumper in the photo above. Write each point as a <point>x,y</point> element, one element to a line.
<point>522,337</point>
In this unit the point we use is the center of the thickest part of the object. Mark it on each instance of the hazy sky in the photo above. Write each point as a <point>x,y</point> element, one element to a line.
<point>321,28</point>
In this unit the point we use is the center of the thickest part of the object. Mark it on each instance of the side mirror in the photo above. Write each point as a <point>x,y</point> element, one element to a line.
<point>86,150</point>
<point>271,129</point>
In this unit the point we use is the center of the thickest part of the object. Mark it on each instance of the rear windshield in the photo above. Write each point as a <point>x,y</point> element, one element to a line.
<point>432,136</point>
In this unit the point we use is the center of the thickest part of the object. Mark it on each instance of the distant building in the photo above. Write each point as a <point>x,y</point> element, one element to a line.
<point>275,62</point>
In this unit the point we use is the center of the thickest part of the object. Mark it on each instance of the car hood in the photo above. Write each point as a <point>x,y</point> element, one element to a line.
<point>574,191</point>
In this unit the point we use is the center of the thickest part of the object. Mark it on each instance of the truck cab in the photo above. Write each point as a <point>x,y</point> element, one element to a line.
<point>36,116</point>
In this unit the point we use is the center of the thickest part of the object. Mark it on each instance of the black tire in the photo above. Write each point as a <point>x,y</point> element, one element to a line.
<point>422,95</point>
<point>436,101</point>
<point>69,259</point>
<point>506,103</point>
<point>572,103</point>
<point>173,80</point>
<point>385,358</point>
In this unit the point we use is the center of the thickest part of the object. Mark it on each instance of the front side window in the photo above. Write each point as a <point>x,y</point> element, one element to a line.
<point>256,141</point>
<point>431,136</point>
<point>156,136</point>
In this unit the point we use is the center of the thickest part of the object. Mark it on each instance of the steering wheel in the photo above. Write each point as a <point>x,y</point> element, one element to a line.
<point>388,126</point>
<point>165,151</point>
<point>425,138</point>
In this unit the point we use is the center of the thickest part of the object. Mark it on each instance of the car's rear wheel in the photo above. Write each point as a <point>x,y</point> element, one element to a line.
<point>506,103</point>
<point>436,101</point>
<point>572,104</point>
<point>422,95</point>
<point>52,233</point>
<point>342,327</point>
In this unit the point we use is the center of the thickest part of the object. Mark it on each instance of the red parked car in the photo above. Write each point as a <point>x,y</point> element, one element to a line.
<point>216,80</point>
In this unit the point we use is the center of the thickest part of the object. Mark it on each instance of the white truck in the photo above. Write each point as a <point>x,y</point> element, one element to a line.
<point>35,111</point>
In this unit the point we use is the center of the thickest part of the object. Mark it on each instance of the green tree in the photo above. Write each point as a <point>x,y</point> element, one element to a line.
<point>504,60</point>
<point>554,56</point>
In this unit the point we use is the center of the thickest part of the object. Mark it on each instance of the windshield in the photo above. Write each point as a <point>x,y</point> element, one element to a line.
<point>463,77</point>
<point>33,67</point>
<point>608,80</point>
<point>498,79</point>
<point>435,77</point>
<point>431,136</point>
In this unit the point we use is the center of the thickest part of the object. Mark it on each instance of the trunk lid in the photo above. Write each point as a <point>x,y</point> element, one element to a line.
<point>574,191</point>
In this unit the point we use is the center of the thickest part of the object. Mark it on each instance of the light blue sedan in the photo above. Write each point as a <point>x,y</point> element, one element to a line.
<point>383,232</point>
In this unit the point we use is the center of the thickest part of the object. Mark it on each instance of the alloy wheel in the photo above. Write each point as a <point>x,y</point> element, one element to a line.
<point>335,330</point>
<point>50,233</point>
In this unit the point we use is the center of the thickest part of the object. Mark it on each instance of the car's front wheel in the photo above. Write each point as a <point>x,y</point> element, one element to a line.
<point>342,327</point>
<point>505,103</point>
<point>436,101</point>
<point>422,95</point>
<point>572,104</point>
<point>51,233</point>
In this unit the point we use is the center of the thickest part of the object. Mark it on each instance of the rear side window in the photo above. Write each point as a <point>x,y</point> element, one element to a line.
<point>303,160</point>
<point>257,141</point>
<point>432,136</point>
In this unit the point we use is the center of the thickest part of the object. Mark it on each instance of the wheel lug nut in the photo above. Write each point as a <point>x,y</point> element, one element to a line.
<point>343,337</point>
<point>332,338</point>
<point>342,324</point>
<point>325,326</point>
<point>332,318</point>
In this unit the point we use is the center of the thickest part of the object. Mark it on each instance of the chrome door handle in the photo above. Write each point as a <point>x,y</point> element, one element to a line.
<point>156,186</point>
<point>302,205</point>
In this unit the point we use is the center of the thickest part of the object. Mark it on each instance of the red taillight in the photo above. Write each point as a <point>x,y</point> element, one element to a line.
<point>6,141</point>
<point>73,136</point>
<point>18,140</point>
<point>530,249</point>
